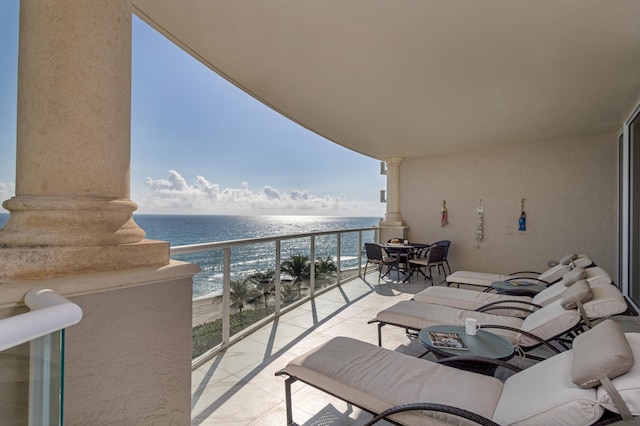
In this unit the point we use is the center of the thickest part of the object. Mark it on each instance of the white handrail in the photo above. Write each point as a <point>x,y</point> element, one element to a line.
<point>49,313</point>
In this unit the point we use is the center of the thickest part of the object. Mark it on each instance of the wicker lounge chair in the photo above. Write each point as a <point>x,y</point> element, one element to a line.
<point>580,304</point>
<point>547,277</point>
<point>594,383</point>
<point>475,300</point>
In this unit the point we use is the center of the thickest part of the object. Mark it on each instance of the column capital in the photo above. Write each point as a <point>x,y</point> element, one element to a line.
<point>394,161</point>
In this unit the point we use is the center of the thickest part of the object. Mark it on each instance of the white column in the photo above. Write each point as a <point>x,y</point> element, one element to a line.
<point>393,216</point>
<point>73,142</point>
<point>393,225</point>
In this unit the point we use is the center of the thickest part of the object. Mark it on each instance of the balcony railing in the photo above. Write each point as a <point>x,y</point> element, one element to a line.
<point>253,281</point>
<point>31,349</point>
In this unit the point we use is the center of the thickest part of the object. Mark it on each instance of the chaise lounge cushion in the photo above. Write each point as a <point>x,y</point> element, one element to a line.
<point>579,292</point>
<point>377,379</point>
<point>603,352</point>
<point>573,276</point>
<point>567,259</point>
<point>627,385</point>
<point>543,394</point>
<point>416,316</point>
<point>553,274</point>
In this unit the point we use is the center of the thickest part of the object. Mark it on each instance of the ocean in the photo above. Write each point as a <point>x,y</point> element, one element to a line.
<point>245,260</point>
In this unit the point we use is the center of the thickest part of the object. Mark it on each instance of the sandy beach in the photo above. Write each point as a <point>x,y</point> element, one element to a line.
<point>206,309</point>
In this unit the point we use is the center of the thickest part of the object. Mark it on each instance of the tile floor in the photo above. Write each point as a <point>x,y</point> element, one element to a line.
<point>239,386</point>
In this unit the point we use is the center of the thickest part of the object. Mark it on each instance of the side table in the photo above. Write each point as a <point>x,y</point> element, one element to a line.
<point>517,288</point>
<point>483,344</point>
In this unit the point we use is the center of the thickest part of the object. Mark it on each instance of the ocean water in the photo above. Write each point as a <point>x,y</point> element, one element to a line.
<point>245,260</point>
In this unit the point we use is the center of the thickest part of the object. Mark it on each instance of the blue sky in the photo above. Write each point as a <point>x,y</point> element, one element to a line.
<point>200,145</point>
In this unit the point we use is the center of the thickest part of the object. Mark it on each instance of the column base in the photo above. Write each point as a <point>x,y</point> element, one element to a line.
<point>30,263</point>
<point>38,221</point>
<point>388,231</point>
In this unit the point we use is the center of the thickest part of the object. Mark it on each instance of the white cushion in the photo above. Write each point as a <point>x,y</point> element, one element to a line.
<point>482,279</point>
<point>600,352</point>
<point>578,293</point>
<point>377,378</point>
<point>567,259</point>
<point>550,321</point>
<point>416,315</point>
<point>549,294</point>
<point>468,299</point>
<point>582,260</point>
<point>597,276</point>
<point>576,274</point>
<point>553,274</point>
<point>607,301</point>
<point>544,394</point>
<point>627,385</point>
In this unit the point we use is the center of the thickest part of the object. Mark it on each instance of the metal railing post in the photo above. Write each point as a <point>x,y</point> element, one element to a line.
<point>338,243</point>
<point>278,281</point>
<point>359,253</point>
<point>226,297</point>
<point>312,278</point>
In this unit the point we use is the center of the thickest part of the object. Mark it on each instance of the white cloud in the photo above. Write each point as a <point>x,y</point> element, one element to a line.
<point>7,190</point>
<point>176,195</point>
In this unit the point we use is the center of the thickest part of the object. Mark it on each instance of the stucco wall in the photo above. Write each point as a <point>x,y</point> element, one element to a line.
<point>570,189</point>
<point>129,359</point>
<point>127,362</point>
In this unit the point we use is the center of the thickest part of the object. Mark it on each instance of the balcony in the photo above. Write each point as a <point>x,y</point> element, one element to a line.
<point>238,386</point>
<point>234,383</point>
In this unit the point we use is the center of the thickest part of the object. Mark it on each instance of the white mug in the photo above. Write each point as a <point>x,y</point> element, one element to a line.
<point>471,326</point>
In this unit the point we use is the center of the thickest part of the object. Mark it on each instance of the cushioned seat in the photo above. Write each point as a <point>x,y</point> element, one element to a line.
<point>571,388</point>
<point>545,324</point>
<point>473,300</point>
<point>549,276</point>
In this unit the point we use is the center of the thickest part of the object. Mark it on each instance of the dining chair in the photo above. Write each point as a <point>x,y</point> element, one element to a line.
<point>377,255</point>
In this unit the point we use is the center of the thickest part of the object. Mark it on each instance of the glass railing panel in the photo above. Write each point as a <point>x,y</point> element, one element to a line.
<point>46,372</point>
<point>256,292</point>
<point>31,382</point>
<point>326,258</point>
<point>14,385</point>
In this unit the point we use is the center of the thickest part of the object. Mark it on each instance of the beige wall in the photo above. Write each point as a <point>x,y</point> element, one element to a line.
<point>570,189</point>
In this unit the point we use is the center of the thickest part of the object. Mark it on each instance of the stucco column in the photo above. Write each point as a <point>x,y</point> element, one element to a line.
<point>393,225</point>
<point>393,215</point>
<point>73,139</point>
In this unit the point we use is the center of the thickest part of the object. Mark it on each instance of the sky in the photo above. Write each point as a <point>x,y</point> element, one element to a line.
<point>200,145</point>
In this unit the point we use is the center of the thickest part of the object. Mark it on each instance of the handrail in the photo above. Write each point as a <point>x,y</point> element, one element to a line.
<point>49,313</point>
<point>226,247</point>
<point>194,248</point>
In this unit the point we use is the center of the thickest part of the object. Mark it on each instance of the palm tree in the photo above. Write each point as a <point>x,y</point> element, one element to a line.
<point>242,291</point>
<point>298,267</point>
<point>264,283</point>
<point>325,265</point>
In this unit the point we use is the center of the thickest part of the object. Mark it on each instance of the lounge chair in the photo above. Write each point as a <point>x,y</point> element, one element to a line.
<point>551,275</point>
<point>580,304</point>
<point>596,382</point>
<point>475,300</point>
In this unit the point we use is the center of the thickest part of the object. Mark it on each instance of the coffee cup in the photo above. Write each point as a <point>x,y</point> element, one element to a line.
<point>471,326</point>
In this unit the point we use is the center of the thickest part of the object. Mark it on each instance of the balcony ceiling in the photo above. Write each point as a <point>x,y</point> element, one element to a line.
<point>421,77</point>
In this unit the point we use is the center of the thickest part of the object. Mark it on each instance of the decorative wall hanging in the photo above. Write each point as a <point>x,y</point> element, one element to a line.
<point>522,222</point>
<point>443,214</point>
<point>479,223</point>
